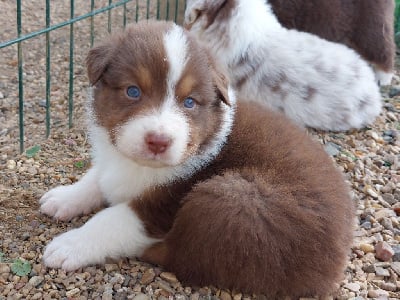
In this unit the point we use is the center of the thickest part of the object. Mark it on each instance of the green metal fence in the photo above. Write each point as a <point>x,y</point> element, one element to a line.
<point>132,10</point>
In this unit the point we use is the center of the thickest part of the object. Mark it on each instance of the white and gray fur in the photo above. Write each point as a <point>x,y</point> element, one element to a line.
<point>316,83</point>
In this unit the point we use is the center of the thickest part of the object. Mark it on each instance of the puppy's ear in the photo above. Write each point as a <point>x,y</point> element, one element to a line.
<point>219,78</point>
<point>219,10</point>
<point>97,61</point>
<point>221,83</point>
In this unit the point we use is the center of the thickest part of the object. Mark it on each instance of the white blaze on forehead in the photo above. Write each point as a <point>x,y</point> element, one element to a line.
<point>176,47</point>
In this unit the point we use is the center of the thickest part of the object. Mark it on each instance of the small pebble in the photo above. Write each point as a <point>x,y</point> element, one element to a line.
<point>366,225</point>
<point>369,268</point>
<point>11,164</point>
<point>394,91</point>
<point>372,193</point>
<point>379,271</point>
<point>4,268</point>
<point>332,149</point>
<point>42,103</point>
<point>72,293</point>
<point>352,286</point>
<point>377,293</point>
<point>237,296</point>
<point>383,251</point>
<point>36,280</point>
<point>148,276</point>
<point>396,256</point>
<point>225,296</point>
<point>389,198</point>
<point>396,267</point>
<point>170,277</point>
<point>388,286</point>
<point>141,297</point>
<point>367,248</point>
<point>195,296</point>
<point>111,267</point>
<point>384,213</point>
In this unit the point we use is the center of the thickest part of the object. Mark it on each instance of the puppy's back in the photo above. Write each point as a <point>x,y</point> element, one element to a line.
<point>366,26</point>
<point>276,220</point>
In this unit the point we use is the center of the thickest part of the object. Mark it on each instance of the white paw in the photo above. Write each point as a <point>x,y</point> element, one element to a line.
<point>66,202</point>
<point>114,232</point>
<point>383,78</point>
<point>62,203</point>
<point>72,250</point>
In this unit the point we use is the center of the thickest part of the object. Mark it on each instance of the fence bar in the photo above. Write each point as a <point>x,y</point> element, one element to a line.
<point>109,17</point>
<point>167,12</point>
<point>48,75</point>
<point>91,23</point>
<point>124,16</point>
<point>71,67</point>
<point>148,9</point>
<point>158,9</point>
<point>137,11</point>
<point>176,10</point>
<point>62,24</point>
<point>20,81</point>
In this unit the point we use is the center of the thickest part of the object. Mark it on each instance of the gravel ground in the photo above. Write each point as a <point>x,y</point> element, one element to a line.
<point>369,159</point>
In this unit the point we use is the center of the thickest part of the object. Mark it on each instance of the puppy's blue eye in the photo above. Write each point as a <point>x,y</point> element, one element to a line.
<point>189,102</point>
<point>133,91</point>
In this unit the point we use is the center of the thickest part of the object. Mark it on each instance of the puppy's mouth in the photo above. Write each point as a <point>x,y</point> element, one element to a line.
<point>155,162</point>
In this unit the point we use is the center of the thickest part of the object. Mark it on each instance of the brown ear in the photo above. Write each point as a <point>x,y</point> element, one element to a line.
<point>221,83</point>
<point>220,8</point>
<point>97,61</point>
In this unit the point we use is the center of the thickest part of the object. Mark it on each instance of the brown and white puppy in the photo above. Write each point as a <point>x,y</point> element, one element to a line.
<point>364,25</point>
<point>197,183</point>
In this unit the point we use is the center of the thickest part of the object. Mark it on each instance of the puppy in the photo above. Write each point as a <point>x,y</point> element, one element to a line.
<point>220,193</point>
<point>364,25</point>
<point>316,83</point>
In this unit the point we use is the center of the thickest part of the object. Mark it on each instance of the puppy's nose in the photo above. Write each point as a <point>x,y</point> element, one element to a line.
<point>157,143</point>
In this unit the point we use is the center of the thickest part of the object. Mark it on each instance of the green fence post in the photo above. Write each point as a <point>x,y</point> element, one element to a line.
<point>71,67</point>
<point>91,23</point>
<point>20,80</point>
<point>109,17</point>
<point>48,74</point>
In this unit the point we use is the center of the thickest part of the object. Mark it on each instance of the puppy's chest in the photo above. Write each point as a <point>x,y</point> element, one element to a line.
<point>123,181</point>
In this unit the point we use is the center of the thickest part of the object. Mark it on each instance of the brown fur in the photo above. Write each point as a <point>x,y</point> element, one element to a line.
<point>269,215</point>
<point>271,207</point>
<point>365,25</point>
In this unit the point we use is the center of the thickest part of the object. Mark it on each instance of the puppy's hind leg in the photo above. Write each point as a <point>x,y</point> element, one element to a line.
<point>237,231</point>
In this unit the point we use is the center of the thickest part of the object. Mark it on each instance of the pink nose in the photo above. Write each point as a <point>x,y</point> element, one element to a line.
<point>157,143</point>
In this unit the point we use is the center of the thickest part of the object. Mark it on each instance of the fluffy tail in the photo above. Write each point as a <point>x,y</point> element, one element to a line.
<point>237,231</point>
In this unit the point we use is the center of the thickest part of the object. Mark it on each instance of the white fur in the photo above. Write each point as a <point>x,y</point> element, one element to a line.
<point>66,202</point>
<point>175,44</point>
<point>384,78</point>
<point>341,79</point>
<point>114,232</point>
<point>169,122</point>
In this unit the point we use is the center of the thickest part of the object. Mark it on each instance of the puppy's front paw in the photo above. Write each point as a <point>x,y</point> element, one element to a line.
<point>66,202</point>
<point>72,250</point>
<point>62,203</point>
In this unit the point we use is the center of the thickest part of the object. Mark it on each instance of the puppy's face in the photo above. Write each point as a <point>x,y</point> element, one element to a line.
<point>157,94</point>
